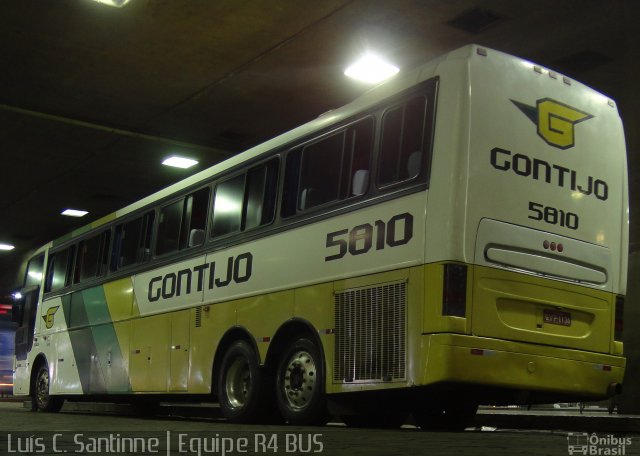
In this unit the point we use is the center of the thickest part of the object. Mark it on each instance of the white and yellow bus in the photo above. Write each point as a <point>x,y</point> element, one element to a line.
<point>455,236</point>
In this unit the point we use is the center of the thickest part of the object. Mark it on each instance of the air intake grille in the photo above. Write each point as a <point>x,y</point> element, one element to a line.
<point>198,317</point>
<point>371,334</point>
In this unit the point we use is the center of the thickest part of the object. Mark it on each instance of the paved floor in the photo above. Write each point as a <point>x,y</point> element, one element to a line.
<point>77,432</point>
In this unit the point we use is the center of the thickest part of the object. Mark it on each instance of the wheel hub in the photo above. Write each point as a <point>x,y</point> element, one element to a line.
<point>299,379</point>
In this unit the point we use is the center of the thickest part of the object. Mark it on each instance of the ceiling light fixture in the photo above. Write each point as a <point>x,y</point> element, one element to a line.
<point>7,247</point>
<point>116,3</point>
<point>74,213</point>
<point>371,69</point>
<point>179,162</point>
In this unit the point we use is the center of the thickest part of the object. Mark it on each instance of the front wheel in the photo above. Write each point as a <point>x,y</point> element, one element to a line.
<point>41,400</point>
<point>300,384</point>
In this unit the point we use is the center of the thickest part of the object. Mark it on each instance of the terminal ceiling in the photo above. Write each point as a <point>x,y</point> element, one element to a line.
<point>92,98</point>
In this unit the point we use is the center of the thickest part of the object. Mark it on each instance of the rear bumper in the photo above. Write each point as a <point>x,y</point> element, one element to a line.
<point>453,358</point>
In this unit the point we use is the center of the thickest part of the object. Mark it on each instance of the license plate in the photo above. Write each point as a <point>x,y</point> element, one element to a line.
<point>556,317</point>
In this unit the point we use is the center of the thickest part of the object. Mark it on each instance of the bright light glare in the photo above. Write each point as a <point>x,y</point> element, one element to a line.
<point>179,162</point>
<point>226,205</point>
<point>74,213</point>
<point>17,295</point>
<point>6,247</point>
<point>371,69</point>
<point>116,3</point>
<point>35,275</point>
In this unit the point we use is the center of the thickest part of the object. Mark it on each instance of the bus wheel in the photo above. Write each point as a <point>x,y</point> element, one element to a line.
<point>452,417</point>
<point>300,385</point>
<point>240,385</point>
<point>41,400</point>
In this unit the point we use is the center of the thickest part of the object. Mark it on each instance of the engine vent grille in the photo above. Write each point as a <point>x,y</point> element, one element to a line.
<point>371,334</point>
<point>198,317</point>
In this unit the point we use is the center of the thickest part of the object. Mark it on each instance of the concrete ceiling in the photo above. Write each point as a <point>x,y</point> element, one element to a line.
<point>92,97</point>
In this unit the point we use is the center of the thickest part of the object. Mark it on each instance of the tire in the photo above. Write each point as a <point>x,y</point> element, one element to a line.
<point>41,400</point>
<point>451,417</point>
<point>243,390</point>
<point>300,384</point>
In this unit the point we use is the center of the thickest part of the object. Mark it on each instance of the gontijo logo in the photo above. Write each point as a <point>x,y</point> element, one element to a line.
<point>48,318</point>
<point>555,121</point>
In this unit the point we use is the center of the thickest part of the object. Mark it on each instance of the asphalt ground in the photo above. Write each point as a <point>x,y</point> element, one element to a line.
<point>106,429</point>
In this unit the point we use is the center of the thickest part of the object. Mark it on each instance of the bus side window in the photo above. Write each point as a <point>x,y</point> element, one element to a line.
<point>58,270</point>
<point>356,163</point>
<point>227,206</point>
<point>402,145</point>
<point>194,221</point>
<point>320,172</point>
<point>169,227</point>
<point>90,257</point>
<point>260,195</point>
<point>132,242</point>
<point>34,272</point>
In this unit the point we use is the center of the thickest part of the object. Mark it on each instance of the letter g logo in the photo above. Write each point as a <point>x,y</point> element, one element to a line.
<point>555,121</point>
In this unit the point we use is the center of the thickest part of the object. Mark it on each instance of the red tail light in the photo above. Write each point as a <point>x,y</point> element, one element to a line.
<point>619,323</point>
<point>454,294</point>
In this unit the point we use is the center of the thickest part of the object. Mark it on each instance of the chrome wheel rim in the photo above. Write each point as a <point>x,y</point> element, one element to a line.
<point>299,379</point>
<point>238,383</point>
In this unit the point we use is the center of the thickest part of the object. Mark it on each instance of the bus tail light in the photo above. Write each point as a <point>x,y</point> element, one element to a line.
<point>619,322</point>
<point>454,293</point>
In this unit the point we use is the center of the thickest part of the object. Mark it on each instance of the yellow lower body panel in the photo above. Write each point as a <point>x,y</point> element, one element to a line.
<point>519,366</point>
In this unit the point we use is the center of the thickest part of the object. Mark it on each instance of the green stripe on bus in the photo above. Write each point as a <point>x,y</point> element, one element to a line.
<point>109,356</point>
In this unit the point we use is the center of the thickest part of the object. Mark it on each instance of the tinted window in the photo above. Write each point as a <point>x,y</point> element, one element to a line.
<point>356,165</point>
<point>334,168</point>
<point>92,256</point>
<point>169,227</point>
<point>183,223</point>
<point>262,185</point>
<point>58,270</point>
<point>34,272</point>
<point>227,206</point>
<point>402,145</point>
<point>320,172</point>
<point>132,241</point>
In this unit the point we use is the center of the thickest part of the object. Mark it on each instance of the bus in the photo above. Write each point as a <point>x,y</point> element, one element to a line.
<point>455,236</point>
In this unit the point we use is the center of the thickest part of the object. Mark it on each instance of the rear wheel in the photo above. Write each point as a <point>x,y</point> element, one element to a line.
<point>300,384</point>
<point>41,400</point>
<point>241,385</point>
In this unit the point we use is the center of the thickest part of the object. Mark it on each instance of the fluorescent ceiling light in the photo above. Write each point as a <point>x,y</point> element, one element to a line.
<point>371,69</point>
<point>6,247</point>
<point>74,213</point>
<point>116,3</point>
<point>180,162</point>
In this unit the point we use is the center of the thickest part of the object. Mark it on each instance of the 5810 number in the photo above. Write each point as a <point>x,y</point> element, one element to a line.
<point>360,239</point>
<point>553,216</point>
